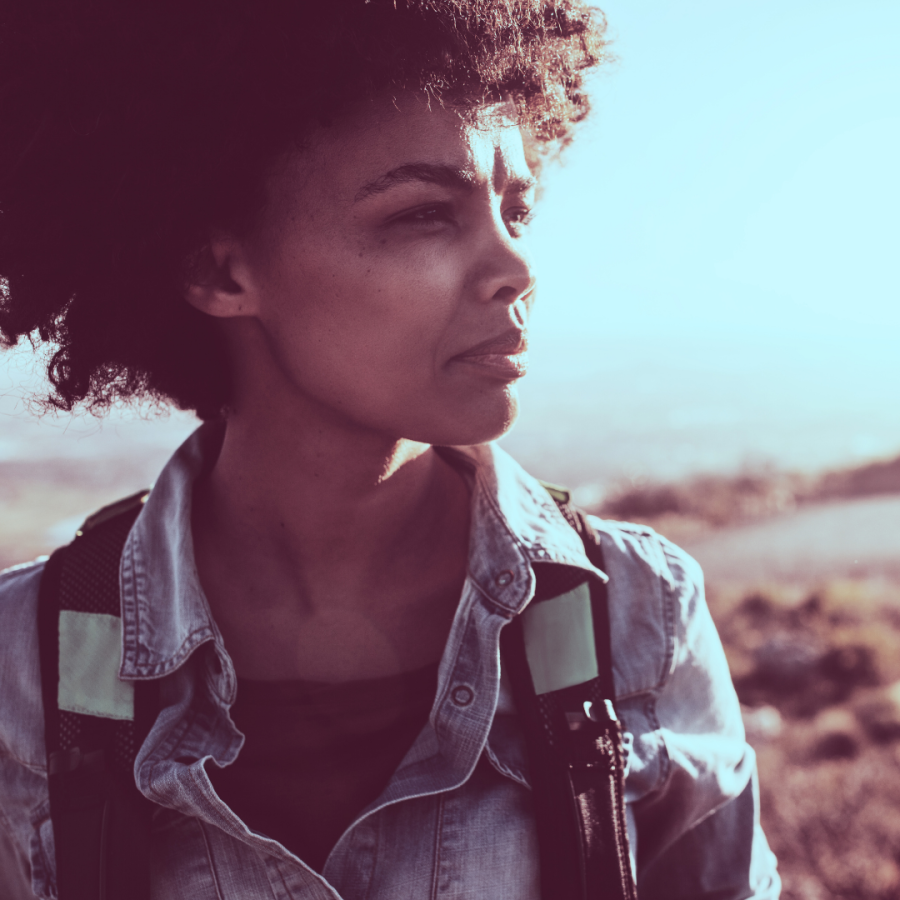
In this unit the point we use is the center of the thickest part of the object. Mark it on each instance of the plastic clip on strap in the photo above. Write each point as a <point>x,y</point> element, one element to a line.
<point>558,656</point>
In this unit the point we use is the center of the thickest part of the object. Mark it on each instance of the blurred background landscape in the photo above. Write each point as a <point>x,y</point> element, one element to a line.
<point>715,352</point>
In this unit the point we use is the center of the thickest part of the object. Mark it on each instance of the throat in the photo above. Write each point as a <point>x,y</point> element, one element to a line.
<point>338,592</point>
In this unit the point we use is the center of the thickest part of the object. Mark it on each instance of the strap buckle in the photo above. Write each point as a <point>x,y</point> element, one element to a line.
<point>579,720</point>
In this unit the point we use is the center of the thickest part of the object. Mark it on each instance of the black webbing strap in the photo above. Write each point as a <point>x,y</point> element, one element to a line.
<point>101,822</point>
<point>574,743</point>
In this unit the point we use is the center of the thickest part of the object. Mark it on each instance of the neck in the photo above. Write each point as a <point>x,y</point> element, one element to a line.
<point>329,505</point>
<point>310,484</point>
<point>328,551</point>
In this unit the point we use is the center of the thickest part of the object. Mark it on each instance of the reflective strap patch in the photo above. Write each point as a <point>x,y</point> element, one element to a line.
<point>559,641</point>
<point>90,647</point>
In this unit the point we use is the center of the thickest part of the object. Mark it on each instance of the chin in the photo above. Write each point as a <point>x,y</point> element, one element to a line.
<point>481,420</point>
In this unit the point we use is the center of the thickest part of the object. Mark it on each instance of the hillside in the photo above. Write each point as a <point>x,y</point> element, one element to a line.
<point>697,506</point>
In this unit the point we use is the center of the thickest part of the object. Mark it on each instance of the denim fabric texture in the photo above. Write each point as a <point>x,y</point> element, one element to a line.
<point>456,819</point>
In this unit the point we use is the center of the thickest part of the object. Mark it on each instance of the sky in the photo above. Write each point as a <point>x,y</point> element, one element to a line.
<point>740,173</point>
<point>716,256</point>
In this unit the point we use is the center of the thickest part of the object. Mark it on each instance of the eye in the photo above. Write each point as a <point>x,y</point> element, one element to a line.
<point>431,216</point>
<point>518,218</point>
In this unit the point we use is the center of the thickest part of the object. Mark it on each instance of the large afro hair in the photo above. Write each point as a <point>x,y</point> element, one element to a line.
<point>129,129</point>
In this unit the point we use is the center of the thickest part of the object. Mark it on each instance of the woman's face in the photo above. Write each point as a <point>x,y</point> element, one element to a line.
<point>389,274</point>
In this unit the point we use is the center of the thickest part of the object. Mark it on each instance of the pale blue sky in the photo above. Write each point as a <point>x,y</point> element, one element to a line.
<point>718,254</point>
<point>741,173</point>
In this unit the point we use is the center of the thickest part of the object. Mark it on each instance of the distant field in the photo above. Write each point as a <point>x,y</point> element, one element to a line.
<point>43,502</point>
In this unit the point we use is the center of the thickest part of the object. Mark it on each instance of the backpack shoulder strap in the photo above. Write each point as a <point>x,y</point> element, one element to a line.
<point>94,724</point>
<point>559,660</point>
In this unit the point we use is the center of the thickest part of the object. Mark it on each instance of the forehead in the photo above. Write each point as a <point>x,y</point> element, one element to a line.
<point>389,133</point>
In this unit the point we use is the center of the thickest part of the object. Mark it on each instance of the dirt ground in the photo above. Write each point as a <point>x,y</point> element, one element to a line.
<point>817,670</point>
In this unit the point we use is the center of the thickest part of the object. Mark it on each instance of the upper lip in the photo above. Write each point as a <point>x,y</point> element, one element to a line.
<point>510,343</point>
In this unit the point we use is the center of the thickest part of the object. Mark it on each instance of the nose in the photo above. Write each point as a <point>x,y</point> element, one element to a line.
<point>505,273</point>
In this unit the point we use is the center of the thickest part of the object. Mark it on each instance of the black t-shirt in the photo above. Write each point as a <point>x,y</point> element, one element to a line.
<point>317,754</point>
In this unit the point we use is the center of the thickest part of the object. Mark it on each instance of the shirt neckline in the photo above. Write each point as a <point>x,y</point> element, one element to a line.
<point>166,616</point>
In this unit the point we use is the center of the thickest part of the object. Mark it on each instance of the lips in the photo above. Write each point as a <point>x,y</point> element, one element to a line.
<point>504,356</point>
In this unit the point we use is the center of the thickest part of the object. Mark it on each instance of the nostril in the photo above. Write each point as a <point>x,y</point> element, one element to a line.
<point>507,294</point>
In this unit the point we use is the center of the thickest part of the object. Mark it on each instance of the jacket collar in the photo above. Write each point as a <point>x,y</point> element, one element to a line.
<point>165,613</point>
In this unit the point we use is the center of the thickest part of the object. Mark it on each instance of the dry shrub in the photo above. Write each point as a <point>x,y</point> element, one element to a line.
<point>828,660</point>
<point>834,824</point>
<point>682,509</point>
<point>881,477</point>
<point>716,500</point>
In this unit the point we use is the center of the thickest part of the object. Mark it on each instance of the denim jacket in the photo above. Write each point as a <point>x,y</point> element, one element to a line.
<point>456,819</point>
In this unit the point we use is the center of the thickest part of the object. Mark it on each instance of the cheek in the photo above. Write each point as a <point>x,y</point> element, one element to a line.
<point>362,312</point>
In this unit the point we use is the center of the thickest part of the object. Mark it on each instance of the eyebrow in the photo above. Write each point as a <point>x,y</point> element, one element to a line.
<point>430,173</point>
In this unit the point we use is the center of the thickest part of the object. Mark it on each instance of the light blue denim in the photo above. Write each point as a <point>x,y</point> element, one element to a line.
<point>456,819</point>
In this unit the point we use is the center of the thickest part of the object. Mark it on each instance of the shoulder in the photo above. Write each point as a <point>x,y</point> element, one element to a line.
<point>640,552</point>
<point>670,670</point>
<point>24,799</point>
<point>19,586</point>
<point>21,580</point>
<point>21,713</point>
<point>655,599</point>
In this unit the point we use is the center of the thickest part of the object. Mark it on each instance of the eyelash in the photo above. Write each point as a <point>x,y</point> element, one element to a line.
<point>438,213</point>
<point>428,215</point>
<point>524,215</point>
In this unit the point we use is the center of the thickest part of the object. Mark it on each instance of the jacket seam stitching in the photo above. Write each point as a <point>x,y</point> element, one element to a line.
<point>375,824</point>
<point>166,748</point>
<point>495,605</point>
<point>438,833</point>
<point>212,865</point>
<point>665,761</point>
<point>200,635</point>
<point>667,591</point>
<point>665,595</point>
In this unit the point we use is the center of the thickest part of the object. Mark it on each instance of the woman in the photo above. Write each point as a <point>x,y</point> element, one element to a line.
<point>307,222</point>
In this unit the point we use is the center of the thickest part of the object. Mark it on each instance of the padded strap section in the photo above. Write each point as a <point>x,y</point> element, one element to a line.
<point>573,738</point>
<point>94,723</point>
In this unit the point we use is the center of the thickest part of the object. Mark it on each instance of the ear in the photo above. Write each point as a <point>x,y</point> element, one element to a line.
<point>219,282</point>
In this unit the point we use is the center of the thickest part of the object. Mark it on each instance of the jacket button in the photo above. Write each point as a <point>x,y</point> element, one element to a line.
<point>462,695</point>
<point>505,578</point>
